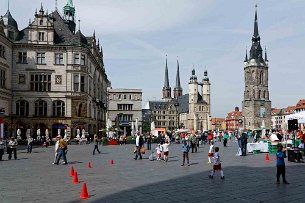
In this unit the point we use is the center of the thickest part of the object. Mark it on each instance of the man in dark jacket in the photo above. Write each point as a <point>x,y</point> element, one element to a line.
<point>243,140</point>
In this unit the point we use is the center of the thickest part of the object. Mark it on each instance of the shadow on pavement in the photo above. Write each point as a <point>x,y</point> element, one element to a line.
<point>241,184</point>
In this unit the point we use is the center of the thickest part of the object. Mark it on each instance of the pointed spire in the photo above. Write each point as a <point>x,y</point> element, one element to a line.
<point>98,44</point>
<point>266,59</point>
<point>166,81</point>
<point>41,8</point>
<point>178,85</point>
<point>79,24</point>
<point>255,34</point>
<point>246,58</point>
<point>55,5</point>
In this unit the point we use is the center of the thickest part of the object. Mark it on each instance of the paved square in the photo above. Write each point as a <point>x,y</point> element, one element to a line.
<point>32,178</point>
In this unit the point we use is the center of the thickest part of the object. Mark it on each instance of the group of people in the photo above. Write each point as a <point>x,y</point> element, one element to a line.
<point>10,146</point>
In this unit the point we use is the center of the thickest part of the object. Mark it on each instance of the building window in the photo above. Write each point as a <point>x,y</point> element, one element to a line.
<point>125,107</point>
<point>125,97</point>
<point>2,78</point>
<point>82,83</point>
<point>22,108</point>
<point>2,51</point>
<point>41,36</point>
<point>76,58</point>
<point>41,108</point>
<point>21,79</point>
<point>22,57</point>
<point>59,58</point>
<point>76,83</point>
<point>41,58</point>
<point>41,22</point>
<point>82,60</point>
<point>130,97</point>
<point>58,108</point>
<point>40,82</point>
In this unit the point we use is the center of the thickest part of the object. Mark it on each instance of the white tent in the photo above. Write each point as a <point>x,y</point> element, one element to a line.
<point>300,116</point>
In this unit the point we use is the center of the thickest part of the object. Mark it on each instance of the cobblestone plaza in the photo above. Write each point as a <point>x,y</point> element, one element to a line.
<point>33,178</point>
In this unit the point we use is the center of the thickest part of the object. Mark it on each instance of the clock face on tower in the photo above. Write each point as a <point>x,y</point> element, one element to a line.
<point>58,79</point>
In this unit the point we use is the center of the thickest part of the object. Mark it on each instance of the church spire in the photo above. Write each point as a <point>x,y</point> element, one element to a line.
<point>246,58</point>
<point>256,49</point>
<point>266,59</point>
<point>177,89</point>
<point>166,88</point>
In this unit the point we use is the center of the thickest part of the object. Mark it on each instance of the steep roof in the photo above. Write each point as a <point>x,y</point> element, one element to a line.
<point>9,20</point>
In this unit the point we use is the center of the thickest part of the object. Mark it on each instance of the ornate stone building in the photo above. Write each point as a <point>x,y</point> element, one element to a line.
<point>256,106</point>
<point>58,75</point>
<point>190,111</point>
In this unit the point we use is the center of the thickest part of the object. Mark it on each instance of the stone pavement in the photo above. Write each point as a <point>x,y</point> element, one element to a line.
<point>32,178</point>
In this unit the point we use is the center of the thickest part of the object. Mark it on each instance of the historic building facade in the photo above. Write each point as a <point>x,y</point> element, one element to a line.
<point>256,106</point>
<point>5,77</point>
<point>190,111</point>
<point>58,76</point>
<point>125,109</point>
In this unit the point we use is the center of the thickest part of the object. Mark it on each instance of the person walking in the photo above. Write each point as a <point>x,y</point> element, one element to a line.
<point>56,148</point>
<point>216,164</point>
<point>225,139</point>
<point>30,144</point>
<point>280,165</point>
<point>1,148</point>
<point>62,147</point>
<point>243,141</point>
<point>12,148</point>
<point>95,142</point>
<point>139,144</point>
<point>211,152</point>
<point>185,149</point>
<point>193,143</point>
<point>148,140</point>
<point>165,150</point>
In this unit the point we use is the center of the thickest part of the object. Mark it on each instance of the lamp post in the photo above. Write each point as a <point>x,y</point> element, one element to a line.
<point>177,114</point>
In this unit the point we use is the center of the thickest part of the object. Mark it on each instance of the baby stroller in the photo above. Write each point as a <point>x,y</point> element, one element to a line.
<point>151,156</point>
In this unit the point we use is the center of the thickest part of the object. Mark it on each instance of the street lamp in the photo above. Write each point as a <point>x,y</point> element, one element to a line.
<point>176,106</point>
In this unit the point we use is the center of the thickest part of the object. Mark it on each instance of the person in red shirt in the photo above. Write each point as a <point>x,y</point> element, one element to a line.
<point>210,137</point>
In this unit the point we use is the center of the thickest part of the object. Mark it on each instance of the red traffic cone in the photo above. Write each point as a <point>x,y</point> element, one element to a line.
<point>111,162</point>
<point>267,157</point>
<point>75,179</point>
<point>72,172</point>
<point>89,165</point>
<point>84,194</point>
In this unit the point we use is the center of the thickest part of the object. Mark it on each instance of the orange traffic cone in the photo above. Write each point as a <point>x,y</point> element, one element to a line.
<point>267,157</point>
<point>84,194</point>
<point>72,172</point>
<point>75,179</point>
<point>89,165</point>
<point>111,162</point>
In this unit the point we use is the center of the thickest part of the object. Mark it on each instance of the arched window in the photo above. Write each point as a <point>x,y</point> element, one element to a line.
<point>41,108</point>
<point>261,77</point>
<point>58,108</point>
<point>22,108</point>
<point>259,94</point>
<point>264,95</point>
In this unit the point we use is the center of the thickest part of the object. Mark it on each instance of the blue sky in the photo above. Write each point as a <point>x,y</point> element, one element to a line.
<point>211,34</point>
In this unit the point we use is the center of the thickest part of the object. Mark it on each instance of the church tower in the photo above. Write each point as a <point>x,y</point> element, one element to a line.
<point>69,15</point>
<point>206,89</point>
<point>178,88</point>
<point>193,92</point>
<point>256,106</point>
<point>166,88</point>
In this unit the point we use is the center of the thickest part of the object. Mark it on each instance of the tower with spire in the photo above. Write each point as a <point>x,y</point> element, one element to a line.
<point>178,88</point>
<point>69,15</point>
<point>166,88</point>
<point>256,106</point>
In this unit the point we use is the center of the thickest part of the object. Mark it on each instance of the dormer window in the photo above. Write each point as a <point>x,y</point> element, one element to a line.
<point>41,22</point>
<point>41,36</point>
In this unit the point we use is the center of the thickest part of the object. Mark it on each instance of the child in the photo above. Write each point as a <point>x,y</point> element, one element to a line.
<point>165,150</point>
<point>217,164</point>
<point>159,151</point>
<point>185,149</point>
<point>280,165</point>
<point>211,151</point>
